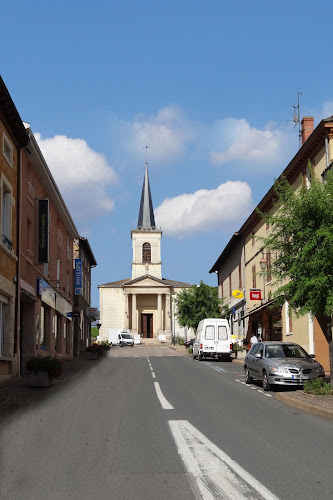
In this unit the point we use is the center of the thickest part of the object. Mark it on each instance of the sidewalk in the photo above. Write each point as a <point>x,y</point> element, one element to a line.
<point>317,405</point>
<point>17,395</point>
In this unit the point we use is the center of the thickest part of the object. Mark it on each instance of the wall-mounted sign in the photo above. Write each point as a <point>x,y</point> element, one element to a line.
<point>92,312</point>
<point>238,294</point>
<point>43,231</point>
<point>255,294</point>
<point>78,276</point>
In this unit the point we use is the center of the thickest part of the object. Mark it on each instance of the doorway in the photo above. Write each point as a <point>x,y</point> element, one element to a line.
<point>147,326</point>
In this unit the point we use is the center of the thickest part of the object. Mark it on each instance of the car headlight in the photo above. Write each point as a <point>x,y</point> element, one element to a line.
<point>279,369</point>
<point>318,369</point>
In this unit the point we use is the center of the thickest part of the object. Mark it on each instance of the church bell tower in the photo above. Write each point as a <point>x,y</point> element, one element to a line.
<point>146,238</point>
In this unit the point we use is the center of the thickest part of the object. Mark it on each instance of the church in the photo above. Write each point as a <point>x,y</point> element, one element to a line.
<point>143,303</point>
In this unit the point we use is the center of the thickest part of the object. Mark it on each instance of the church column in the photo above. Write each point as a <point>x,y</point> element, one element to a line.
<point>159,312</point>
<point>134,313</point>
<point>126,312</point>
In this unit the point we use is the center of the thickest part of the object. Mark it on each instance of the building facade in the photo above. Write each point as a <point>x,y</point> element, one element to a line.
<point>143,303</point>
<point>84,261</point>
<point>263,319</point>
<point>46,261</point>
<point>13,137</point>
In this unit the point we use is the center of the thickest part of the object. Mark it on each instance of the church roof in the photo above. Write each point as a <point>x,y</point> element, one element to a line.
<point>146,218</point>
<point>129,281</point>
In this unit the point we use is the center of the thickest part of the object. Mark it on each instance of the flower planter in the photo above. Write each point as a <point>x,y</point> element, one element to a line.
<point>39,379</point>
<point>91,355</point>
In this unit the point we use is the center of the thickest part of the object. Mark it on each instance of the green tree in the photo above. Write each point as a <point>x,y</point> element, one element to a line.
<point>302,236</point>
<point>196,303</point>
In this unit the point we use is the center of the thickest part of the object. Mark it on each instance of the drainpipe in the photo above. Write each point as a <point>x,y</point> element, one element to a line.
<point>327,153</point>
<point>311,334</point>
<point>17,333</point>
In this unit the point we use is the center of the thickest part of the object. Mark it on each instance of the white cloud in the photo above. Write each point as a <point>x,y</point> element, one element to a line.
<point>245,143</point>
<point>82,176</point>
<point>166,134</point>
<point>205,210</point>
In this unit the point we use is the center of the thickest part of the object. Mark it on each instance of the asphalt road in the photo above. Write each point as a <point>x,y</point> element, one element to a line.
<point>148,423</point>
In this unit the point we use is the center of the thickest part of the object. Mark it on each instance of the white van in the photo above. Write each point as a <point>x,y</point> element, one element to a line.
<point>213,339</point>
<point>120,337</point>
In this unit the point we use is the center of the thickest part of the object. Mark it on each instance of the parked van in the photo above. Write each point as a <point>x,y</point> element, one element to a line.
<point>213,339</point>
<point>120,337</point>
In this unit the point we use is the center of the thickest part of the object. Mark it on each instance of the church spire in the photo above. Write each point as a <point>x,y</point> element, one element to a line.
<point>146,218</point>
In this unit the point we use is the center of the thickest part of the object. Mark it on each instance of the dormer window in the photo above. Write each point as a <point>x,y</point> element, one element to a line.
<point>146,253</point>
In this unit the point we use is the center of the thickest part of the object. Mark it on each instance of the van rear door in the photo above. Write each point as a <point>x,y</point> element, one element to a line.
<point>223,339</point>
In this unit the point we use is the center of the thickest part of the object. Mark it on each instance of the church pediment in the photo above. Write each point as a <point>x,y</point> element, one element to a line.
<point>145,281</point>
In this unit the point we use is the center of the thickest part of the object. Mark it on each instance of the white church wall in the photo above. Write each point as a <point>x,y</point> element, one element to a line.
<point>112,310</point>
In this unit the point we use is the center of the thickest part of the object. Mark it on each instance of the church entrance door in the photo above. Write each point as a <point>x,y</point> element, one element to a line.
<point>147,326</point>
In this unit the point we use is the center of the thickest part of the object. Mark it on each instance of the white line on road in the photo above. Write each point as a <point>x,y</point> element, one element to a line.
<point>217,476</point>
<point>153,375</point>
<point>165,404</point>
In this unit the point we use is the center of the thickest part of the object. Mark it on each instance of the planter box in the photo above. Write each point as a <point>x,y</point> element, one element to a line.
<point>91,355</point>
<point>39,379</point>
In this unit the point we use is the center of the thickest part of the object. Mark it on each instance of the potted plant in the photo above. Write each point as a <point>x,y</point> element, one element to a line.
<point>43,369</point>
<point>94,351</point>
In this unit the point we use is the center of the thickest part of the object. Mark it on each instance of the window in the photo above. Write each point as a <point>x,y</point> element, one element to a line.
<point>267,227</point>
<point>222,290</point>
<point>7,149</point>
<point>254,278</point>
<point>210,332</point>
<point>60,238</point>
<point>44,327</point>
<point>146,253</point>
<point>240,275</point>
<point>6,217</point>
<point>230,286</point>
<point>3,310</point>
<point>58,273</point>
<point>253,241</point>
<point>222,332</point>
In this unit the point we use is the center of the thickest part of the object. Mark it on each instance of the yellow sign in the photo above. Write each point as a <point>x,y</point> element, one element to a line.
<point>238,294</point>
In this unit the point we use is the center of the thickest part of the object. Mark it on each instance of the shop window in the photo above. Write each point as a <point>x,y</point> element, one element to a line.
<point>44,327</point>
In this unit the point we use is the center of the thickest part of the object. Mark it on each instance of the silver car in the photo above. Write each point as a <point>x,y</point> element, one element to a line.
<point>280,363</point>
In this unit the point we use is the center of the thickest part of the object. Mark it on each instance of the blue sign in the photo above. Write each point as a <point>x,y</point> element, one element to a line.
<point>78,277</point>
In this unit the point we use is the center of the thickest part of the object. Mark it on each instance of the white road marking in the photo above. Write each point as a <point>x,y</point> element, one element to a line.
<point>268,395</point>
<point>216,475</point>
<point>151,368</point>
<point>164,403</point>
<point>153,375</point>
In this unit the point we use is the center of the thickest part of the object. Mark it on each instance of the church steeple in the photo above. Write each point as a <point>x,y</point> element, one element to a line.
<point>146,238</point>
<point>146,218</point>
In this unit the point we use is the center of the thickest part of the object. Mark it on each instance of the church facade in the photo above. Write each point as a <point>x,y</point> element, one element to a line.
<point>143,303</point>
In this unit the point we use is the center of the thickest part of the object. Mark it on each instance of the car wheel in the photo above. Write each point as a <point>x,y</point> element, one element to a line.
<point>266,385</point>
<point>248,378</point>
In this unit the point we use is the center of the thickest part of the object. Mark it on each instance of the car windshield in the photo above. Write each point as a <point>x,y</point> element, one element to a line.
<point>126,336</point>
<point>285,351</point>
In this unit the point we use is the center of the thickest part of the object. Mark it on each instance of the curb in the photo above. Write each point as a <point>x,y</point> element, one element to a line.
<point>303,405</point>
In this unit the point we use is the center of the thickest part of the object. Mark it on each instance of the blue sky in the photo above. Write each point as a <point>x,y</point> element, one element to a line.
<point>207,85</point>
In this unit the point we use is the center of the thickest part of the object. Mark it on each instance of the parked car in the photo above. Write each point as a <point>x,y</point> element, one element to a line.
<point>189,343</point>
<point>280,363</point>
<point>125,339</point>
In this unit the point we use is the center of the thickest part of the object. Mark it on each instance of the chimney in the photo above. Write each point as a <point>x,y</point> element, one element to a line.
<point>307,128</point>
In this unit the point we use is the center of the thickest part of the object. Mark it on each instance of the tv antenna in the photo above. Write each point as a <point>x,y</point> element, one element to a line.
<point>296,119</point>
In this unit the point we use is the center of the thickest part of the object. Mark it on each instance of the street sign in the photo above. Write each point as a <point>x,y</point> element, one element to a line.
<point>78,277</point>
<point>255,294</point>
<point>238,294</point>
